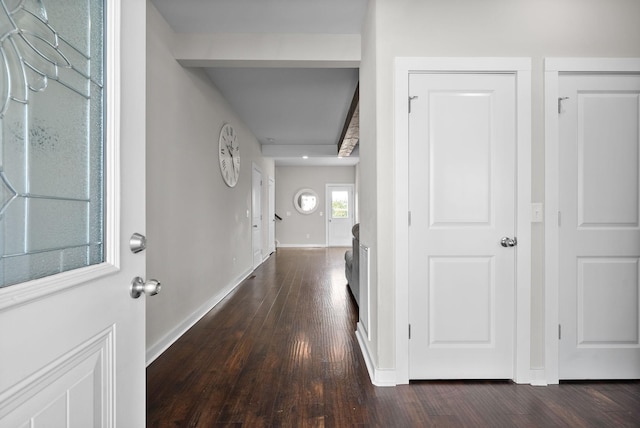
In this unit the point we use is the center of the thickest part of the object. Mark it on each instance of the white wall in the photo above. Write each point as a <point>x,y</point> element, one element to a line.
<point>513,28</point>
<point>199,234</point>
<point>292,231</point>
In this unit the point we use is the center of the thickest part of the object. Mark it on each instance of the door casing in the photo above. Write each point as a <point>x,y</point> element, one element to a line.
<point>521,68</point>
<point>553,67</point>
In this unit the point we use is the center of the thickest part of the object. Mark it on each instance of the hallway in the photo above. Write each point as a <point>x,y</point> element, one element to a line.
<point>281,351</point>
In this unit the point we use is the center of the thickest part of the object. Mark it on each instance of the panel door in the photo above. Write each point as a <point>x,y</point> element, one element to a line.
<point>256,216</point>
<point>462,203</point>
<point>272,215</point>
<point>339,215</point>
<point>72,344</point>
<point>599,231</point>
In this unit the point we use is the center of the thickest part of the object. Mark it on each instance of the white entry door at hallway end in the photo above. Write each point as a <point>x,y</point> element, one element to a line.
<point>599,226</point>
<point>340,215</point>
<point>462,202</point>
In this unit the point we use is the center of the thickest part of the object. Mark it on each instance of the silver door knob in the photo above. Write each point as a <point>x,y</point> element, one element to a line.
<point>508,242</point>
<point>138,286</point>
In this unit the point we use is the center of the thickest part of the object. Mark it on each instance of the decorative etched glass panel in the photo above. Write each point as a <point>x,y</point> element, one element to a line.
<point>51,137</point>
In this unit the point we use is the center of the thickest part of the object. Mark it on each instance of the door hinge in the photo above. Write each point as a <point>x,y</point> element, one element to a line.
<point>409,331</point>
<point>559,331</point>
<point>560,100</point>
<point>411,98</point>
<point>409,218</point>
<point>559,221</point>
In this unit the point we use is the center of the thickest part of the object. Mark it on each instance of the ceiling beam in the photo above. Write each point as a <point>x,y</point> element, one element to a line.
<point>267,50</point>
<point>351,130</point>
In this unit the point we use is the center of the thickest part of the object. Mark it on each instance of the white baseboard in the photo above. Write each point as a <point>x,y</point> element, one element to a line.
<point>379,377</point>
<point>155,350</point>
<point>538,377</point>
<point>302,245</point>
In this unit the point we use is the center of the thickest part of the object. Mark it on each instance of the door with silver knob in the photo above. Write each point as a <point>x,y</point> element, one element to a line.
<point>509,242</point>
<point>461,304</point>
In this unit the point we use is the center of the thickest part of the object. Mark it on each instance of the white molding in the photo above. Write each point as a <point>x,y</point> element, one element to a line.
<point>37,289</point>
<point>538,377</point>
<point>302,245</point>
<point>553,68</point>
<point>378,377</point>
<point>267,50</point>
<point>100,347</point>
<point>591,65</point>
<point>521,67</point>
<point>155,350</point>
<point>551,231</point>
<point>522,367</point>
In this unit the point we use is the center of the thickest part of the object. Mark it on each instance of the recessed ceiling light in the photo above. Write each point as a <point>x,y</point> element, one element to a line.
<point>305,157</point>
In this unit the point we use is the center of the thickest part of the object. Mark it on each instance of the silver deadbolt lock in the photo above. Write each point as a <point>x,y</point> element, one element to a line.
<point>137,243</point>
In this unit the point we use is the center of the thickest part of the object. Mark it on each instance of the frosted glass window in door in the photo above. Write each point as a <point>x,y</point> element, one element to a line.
<point>51,137</point>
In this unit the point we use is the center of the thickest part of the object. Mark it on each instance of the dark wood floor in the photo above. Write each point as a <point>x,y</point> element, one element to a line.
<point>281,352</point>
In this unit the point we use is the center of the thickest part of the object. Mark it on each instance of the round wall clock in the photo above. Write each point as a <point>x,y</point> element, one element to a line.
<point>229,155</point>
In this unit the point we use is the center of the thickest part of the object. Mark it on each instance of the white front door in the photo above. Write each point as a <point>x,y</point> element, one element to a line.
<point>72,344</point>
<point>599,226</point>
<point>256,215</point>
<point>339,214</point>
<point>462,196</point>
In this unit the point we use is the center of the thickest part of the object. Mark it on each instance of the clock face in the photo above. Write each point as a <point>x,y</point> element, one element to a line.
<point>229,155</point>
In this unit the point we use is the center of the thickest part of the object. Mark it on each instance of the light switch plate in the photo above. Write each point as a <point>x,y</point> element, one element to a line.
<point>537,212</point>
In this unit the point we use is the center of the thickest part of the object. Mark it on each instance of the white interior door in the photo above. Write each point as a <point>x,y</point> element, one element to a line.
<point>462,197</point>
<point>599,233</point>
<point>340,214</point>
<point>272,215</point>
<point>72,344</point>
<point>256,215</point>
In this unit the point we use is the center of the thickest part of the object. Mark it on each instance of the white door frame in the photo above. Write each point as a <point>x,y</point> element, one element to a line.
<point>521,68</point>
<point>327,198</point>
<point>553,68</point>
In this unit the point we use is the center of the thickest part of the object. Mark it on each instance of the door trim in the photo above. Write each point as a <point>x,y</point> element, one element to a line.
<point>553,68</point>
<point>521,68</point>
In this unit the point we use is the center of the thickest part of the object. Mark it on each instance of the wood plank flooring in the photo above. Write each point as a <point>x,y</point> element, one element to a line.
<point>280,351</point>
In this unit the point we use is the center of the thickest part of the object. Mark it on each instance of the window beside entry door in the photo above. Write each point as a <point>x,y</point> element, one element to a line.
<point>51,144</point>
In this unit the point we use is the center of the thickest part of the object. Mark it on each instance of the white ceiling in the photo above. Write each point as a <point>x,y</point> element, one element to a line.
<point>289,107</point>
